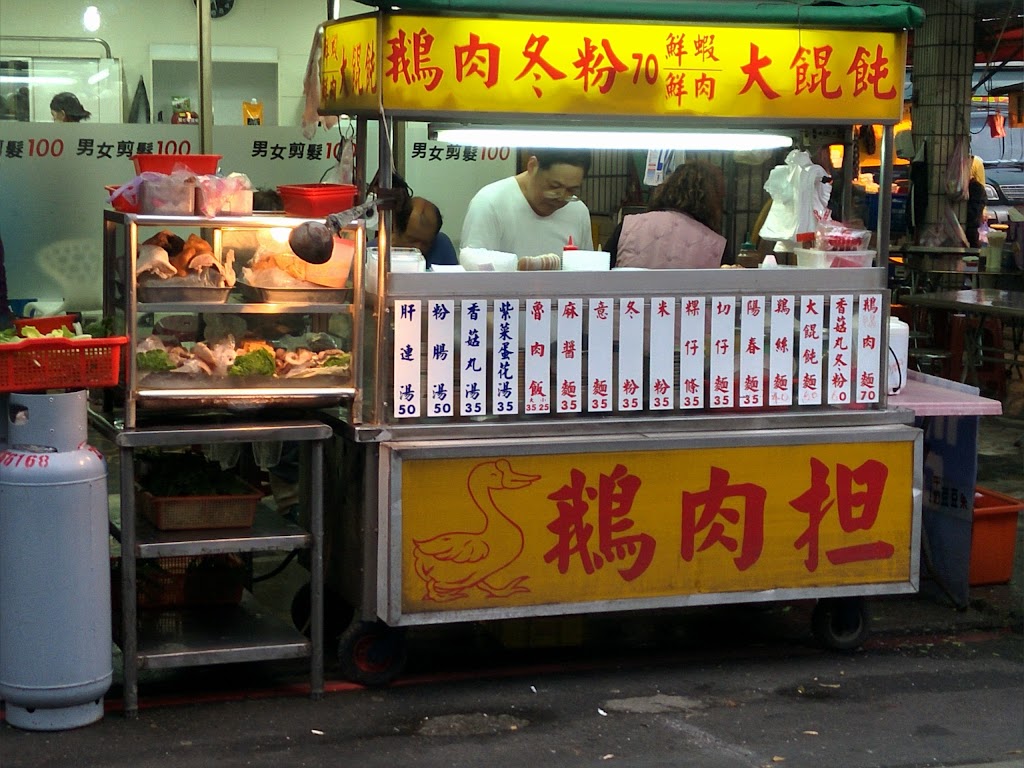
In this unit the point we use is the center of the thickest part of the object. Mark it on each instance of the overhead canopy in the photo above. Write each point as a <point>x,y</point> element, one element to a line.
<point>856,14</point>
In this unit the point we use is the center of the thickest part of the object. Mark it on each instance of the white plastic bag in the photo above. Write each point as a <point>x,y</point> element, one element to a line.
<point>799,195</point>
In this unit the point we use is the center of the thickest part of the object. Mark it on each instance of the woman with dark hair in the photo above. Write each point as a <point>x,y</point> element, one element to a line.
<point>681,228</point>
<point>66,108</point>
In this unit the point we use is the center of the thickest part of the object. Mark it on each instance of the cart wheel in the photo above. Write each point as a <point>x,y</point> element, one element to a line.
<point>841,623</point>
<point>337,613</point>
<point>371,653</point>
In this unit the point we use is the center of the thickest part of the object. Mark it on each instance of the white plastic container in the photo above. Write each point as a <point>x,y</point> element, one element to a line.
<point>899,350</point>
<point>167,197</point>
<point>816,259</point>
<point>402,260</point>
<point>483,260</point>
<point>586,261</point>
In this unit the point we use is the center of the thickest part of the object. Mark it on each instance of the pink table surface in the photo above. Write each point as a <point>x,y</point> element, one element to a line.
<point>934,396</point>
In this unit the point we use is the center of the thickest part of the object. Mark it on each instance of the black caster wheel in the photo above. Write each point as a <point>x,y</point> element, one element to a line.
<point>371,653</point>
<point>841,623</point>
<point>337,613</point>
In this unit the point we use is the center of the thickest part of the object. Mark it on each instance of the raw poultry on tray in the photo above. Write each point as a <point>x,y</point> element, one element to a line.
<point>167,258</point>
<point>299,357</point>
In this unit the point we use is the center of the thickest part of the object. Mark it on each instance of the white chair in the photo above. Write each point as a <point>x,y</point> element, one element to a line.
<point>76,267</point>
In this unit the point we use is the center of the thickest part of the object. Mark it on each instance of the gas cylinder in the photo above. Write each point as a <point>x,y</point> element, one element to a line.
<point>55,629</point>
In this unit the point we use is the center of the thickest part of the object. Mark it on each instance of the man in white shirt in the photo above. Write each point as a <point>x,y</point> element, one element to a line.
<point>534,212</point>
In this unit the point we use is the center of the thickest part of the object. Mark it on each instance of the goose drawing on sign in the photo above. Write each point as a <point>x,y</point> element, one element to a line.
<point>453,563</point>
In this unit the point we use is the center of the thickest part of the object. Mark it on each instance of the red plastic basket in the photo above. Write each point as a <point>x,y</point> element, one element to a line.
<point>36,364</point>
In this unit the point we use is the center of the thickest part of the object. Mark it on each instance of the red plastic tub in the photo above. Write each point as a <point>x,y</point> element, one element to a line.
<point>126,202</point>
<point>199,164</point>
<point>47,324</point>
<point>993,537</point>
<point>316,200</point>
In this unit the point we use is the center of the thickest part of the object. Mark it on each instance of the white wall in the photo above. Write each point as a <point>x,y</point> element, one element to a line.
<point>131,26</point>
<point>58,201</point>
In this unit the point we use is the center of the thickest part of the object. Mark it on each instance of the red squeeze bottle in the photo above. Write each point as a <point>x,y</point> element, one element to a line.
<point>570,246</point>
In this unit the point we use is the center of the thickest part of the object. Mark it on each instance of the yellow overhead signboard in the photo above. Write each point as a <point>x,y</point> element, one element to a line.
<point>502,532</point>
<point>477,66</point>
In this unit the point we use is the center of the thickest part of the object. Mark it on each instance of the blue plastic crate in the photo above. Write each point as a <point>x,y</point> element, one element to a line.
<point>897,218</point>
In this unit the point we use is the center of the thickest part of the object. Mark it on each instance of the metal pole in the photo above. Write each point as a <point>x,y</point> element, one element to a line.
<point>885,174</point>
<point>205,78</point>
<point>380,381</point>
<point>385,123</point>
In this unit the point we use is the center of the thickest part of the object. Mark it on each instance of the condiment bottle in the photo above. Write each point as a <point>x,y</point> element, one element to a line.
<point>570,246</point>
<point>748,256</point>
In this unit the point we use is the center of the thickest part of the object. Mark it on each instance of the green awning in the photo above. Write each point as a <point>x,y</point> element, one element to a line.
<point>835,14</point>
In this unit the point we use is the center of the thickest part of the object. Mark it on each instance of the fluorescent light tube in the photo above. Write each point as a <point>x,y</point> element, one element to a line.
<point>581,138</point>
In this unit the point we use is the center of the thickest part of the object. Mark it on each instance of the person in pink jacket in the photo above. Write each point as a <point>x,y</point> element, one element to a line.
<point>681,229</point>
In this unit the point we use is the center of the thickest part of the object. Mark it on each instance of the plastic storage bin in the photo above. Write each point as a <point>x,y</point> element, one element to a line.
<point>201,164</point>
<point>897,213</point>
<point>402,260</point>
<point>167,197</point>
<point>186,513</point>
<point>47,324</point>
<point>993,537</point>
<point>316,200</point>
<point>816,259</point>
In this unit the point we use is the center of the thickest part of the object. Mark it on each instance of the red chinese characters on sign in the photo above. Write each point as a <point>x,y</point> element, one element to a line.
<point>533,52</point>
<point>409,59</point>
<point>595,68</point>
<point>870,72</point>
<point>613,499</point>
<point>738,527</point>
<point>594,525</point>
<point>676,84</point>
<point>477,59</point>
<point>687,66</point>
<point>857,497</point>
<point>752,69</point>
<point>813,75</point>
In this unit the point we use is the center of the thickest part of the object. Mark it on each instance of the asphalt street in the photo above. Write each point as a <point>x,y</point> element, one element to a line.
<point>741,687</point>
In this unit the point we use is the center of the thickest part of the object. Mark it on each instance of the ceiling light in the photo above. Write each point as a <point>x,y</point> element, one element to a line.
<point>37,79</point>
<point>586,138</point>
<point>91,18</point>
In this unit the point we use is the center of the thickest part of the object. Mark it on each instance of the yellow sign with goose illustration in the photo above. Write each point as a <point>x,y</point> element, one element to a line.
<point>500,532</point>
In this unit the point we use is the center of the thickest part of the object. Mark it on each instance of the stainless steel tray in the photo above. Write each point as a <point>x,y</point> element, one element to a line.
<point>155,293</point>
<point>299,295</point>
<point>323,378</point>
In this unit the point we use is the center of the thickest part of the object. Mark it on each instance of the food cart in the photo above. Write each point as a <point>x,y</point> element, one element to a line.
<point>540,444</point>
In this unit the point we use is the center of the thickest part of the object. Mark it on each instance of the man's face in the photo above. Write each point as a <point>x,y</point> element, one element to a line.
<point>552,188</point>
<point>422,227</point>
